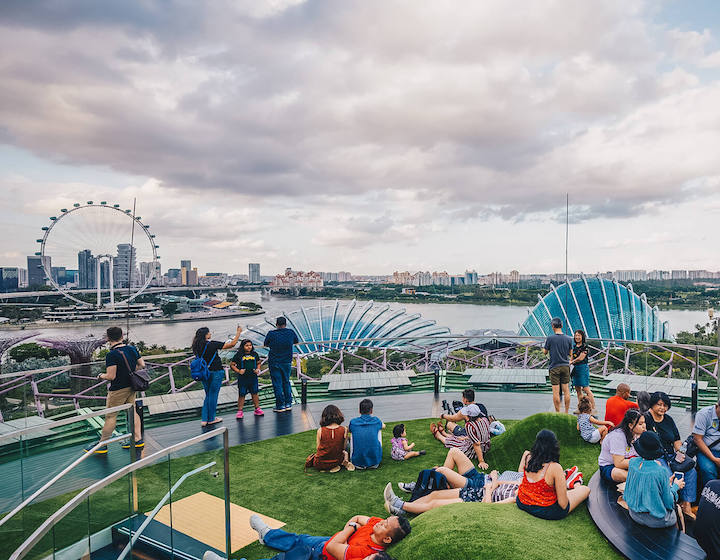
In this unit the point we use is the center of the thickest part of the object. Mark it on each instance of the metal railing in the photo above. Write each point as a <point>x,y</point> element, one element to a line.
<point>63,511</point>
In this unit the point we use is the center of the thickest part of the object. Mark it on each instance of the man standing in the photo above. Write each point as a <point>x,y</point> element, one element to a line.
<point>617,406</point>
<point>559,345</point>
<point>280,341</point>
<point>706,434</point>
<point>120,362</point>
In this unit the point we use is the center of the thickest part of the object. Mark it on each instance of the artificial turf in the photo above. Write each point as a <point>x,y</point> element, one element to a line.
<point>268,477</point>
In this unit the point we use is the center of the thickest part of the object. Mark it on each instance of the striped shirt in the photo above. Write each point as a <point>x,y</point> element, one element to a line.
<point>478,431</point>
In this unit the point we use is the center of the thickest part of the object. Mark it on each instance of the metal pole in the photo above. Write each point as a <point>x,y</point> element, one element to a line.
<point>112,284</point>
<point>437,381</point>
<point>226,467</point>
<point>694,386</point>
<point>303,392</point>
<point>97,281</point>
<point>133,457</point>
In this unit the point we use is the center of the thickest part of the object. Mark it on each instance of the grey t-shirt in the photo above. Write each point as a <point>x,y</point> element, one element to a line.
<point>707,425</point>
<point>559,346</point>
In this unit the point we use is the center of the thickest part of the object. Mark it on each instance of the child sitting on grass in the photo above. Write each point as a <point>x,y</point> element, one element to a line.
<point>590,433</point>
<point>401,449</point>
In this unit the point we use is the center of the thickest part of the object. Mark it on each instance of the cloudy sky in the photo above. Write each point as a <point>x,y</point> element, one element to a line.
<point>370,135</point>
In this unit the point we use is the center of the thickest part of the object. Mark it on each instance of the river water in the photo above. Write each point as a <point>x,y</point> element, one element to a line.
<point>456,316</point>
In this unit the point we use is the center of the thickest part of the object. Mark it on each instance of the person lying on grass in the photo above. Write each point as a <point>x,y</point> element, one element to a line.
<point>361,538</point>
<point>544,490</point>
<point>475,442</point>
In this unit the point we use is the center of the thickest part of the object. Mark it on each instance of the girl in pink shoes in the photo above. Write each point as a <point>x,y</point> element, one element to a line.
<point>246,363</point>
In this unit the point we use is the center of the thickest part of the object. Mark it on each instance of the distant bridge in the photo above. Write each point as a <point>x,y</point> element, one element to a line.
<point>155,290</point>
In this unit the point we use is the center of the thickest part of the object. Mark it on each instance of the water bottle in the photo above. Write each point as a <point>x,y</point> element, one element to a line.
<point>680,454</point>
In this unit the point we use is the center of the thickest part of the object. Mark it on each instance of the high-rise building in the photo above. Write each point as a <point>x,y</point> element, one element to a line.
<point>22,278</point>
<point>36,270</point>
<point>471,277</point>
<point>186,263</point>
<point>679,274</point>
<point>58,275</point>
<point>192,277</point>
<point>86,269</point>
<point>71,277</point>
<point>9,278</point>
<point>254,273</point>
<point>124,266</point>
<point>174,276</point>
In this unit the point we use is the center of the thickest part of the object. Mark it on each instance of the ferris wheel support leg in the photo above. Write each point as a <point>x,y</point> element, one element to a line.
<point>112,285</point>
<point>97,282</point>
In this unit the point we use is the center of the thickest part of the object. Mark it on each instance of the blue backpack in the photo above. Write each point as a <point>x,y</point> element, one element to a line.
<point>199,368</point>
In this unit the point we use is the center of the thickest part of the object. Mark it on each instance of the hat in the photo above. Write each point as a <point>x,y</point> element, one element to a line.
<point>471,410</point>
<point>648,446</point>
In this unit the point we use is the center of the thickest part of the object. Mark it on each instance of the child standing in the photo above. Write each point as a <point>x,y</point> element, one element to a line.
<point>590,433</point>
<point>246,363</point>
<point>401,449</point>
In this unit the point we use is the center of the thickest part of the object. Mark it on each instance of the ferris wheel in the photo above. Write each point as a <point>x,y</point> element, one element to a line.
<point>100,249</point>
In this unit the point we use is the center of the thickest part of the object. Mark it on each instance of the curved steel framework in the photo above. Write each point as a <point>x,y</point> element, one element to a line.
<point>54,220</point>
<point>335,322</point>
<point>602,308</point>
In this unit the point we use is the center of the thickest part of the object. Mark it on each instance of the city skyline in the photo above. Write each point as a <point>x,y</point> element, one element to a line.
<point>446,139</point>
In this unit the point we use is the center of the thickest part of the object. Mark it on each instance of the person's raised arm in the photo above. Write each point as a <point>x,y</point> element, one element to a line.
<point>601,422</point>
<point>453,417</point>
<point>234,341</point>
<point>523,461</point>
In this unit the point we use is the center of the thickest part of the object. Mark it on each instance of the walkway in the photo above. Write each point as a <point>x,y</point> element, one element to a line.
<point>33,471</point>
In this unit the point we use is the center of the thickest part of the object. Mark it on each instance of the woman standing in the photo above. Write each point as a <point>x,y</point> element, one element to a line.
<point>543,491</point>
<point>649,493</point>
<point>581,369</point>
<point>659,421</point>
<point>617,447</point>
<point>207,349</point>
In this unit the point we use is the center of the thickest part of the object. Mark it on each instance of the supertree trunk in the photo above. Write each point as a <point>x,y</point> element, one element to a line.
<point>80,351</point>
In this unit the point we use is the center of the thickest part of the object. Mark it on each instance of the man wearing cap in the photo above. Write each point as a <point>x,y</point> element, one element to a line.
<point>469,410</point>
<point>706,434</point>
<point>559,345</point>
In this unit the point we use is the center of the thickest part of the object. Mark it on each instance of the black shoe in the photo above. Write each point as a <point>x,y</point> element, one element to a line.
<point>139,444</point>
<point>102,450</point>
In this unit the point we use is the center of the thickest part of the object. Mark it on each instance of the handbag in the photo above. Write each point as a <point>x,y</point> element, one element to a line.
<point>692,448</point>
<point>139,379</point>
<point>685,466</point>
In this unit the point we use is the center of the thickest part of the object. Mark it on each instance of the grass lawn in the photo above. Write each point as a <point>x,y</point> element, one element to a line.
<point>268,477</point>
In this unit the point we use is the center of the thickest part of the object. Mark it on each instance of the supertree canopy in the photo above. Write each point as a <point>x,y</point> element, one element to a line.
<point>8,341</point>
<point>80,349</point>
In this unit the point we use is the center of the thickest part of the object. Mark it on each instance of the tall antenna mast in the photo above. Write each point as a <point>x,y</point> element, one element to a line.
<point>130,271</point>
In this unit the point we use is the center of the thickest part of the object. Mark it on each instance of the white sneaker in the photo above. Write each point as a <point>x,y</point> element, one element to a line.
<point>406,486</point>
<point>260,526</point>
<point>210,555</point>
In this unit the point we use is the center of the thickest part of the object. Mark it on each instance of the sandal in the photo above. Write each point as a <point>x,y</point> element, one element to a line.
<point>433,428</point>
<point>349,466</point>
<point>335,469</point>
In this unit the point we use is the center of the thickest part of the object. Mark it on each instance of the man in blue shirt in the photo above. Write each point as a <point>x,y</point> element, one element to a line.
<point>280,341</point>
<point>365,438</point>
<point>706,434</point>
<point>559,346</point>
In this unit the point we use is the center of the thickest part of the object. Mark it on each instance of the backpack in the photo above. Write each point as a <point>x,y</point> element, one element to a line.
<point>139,379</point>
<point>199,368</point>
<point>428,481</point>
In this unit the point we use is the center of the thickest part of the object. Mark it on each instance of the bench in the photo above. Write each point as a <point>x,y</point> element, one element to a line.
<point>636,541</point>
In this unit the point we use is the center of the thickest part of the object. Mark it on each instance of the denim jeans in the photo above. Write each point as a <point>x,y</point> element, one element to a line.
<point>282,540</point>
<point>689,493</point>
<point>280,376</point>
<point>212,390</point>
<point>707,469</point>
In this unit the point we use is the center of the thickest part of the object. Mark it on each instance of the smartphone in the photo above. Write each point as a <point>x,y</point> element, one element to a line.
<point>679,475</point>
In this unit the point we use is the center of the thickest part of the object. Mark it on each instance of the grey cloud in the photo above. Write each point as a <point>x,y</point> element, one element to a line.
<point>480,111</point>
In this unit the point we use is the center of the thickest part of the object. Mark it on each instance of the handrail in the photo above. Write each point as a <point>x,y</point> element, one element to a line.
<point>59,475</point>
<point>135,536</point>
<point>64,421</point>
<point>60,514</point>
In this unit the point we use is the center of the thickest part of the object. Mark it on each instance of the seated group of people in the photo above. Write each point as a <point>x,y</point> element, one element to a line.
<point>645,452</point>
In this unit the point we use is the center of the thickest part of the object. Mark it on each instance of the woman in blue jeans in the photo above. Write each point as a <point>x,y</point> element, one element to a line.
<point>208,349</point>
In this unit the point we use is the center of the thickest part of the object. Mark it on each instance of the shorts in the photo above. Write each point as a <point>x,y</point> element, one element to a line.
<point>606,473</point>
<point>475,479</point>
<point>459,431</point>
<point>552,512</point>
<point>472,494</point>
<point>247,383</point>
<point>594,437</point>
<point>560,375</point>
<point>581,375</point>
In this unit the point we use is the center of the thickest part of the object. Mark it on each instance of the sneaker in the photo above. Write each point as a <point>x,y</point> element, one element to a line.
<point>276,409</point>
<point>570,472</point>
<point>394,507</point>
<point>259,412</point>
<point>102,450</point>
<point>576,478</point>
<point>139,444</point>
<point>260,526</point>
<point>287,407</point>
<point>239,415</point>
<point>388,493</point>
<point>406,486</point>
<point>422,452</point>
